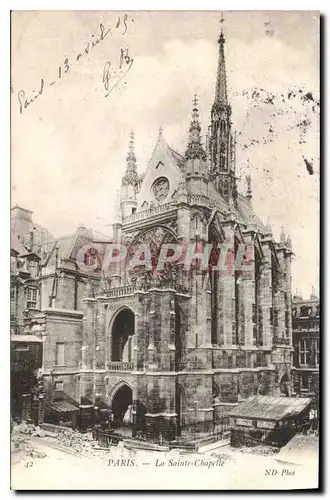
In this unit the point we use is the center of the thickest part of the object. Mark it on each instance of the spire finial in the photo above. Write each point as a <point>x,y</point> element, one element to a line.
<point>289,242</point>
<point>160,132</point>
<point>131,159</point>
<point>221,84</point>
<point>131,175</point>
<point>131,142</point>
<point>249,187</point>
<point>268,226</point>
<point>118,215</point>
<point>282,237</point>
<point>222,20</point>
<point>195,148</point>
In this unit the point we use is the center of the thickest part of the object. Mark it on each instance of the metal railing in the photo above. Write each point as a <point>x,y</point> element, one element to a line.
<point>147,213</point>
<point>121,366</point>
<point>121,291</point>
<point>281,341</point>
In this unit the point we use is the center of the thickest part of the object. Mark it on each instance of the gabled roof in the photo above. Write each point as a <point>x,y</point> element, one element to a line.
<point>164,162</point>
<point>69,245</point>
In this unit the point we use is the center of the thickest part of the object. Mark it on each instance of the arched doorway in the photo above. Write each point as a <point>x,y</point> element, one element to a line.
<point>121,406</point>
<point>122,332</point>
<point>285,385</point>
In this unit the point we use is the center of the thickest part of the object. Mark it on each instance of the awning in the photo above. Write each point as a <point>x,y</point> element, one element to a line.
<point>62,407</point>
<point>24,338</point>
<point>269,408</point>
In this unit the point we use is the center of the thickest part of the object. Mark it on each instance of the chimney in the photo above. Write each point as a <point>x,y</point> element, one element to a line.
<point>31,235</point>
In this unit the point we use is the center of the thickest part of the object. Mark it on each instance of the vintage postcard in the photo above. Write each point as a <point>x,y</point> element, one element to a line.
<point>164,251</point>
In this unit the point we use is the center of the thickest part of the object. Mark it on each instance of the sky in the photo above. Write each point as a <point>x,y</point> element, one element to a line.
<point>68,146</point>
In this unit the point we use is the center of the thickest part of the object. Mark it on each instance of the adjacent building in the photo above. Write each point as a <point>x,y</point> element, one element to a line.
<point>28,247</point>
<point>46,292</point>
<point>306,344</point>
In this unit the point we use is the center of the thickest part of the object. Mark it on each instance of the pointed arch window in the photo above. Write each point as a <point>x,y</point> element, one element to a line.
<point>222,155</point>
<point>225,190</point>
<point>222,126</point>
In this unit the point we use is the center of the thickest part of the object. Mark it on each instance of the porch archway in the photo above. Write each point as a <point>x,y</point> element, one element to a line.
<point>122,331</point>
<point>120,401</point>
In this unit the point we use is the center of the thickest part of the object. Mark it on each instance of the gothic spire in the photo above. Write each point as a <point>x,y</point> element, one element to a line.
<point>268,226</point>
<point>289,242</point>
<point>221,83</point>
<point>118,214</point>
<point>282,236</point>
<point>249,187</point>
<point>131,175</point>
<point>195,148</point>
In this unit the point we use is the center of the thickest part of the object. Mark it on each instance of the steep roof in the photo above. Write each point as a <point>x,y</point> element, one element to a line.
<point>247,213</point>
<point>69,245</point>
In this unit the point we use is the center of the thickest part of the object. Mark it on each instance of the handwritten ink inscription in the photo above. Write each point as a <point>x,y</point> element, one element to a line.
<point>111,73</point>
<point>125,63</point>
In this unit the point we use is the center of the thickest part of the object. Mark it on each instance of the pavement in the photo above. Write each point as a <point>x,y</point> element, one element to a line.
<point>45,463</point>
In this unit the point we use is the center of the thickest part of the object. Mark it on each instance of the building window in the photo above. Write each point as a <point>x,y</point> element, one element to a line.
<point>222,155</point>
<point>222,126</point>
<point>34,269</point>
<point>90,257</point>
<point>254,315</point>
<point>303,352</point>
<point>59,386</point>
<point>305,312</point>
<point>305,382</point>
<point>225,190</point>
<point>317,352</point>
<point>60,354</point>
<point>13,265</point>
<point>13,302</point>
<point>31,302</point>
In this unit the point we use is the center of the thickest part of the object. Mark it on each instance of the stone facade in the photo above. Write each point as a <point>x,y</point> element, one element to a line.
<point>189,343</point>
<point>184,344</point>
